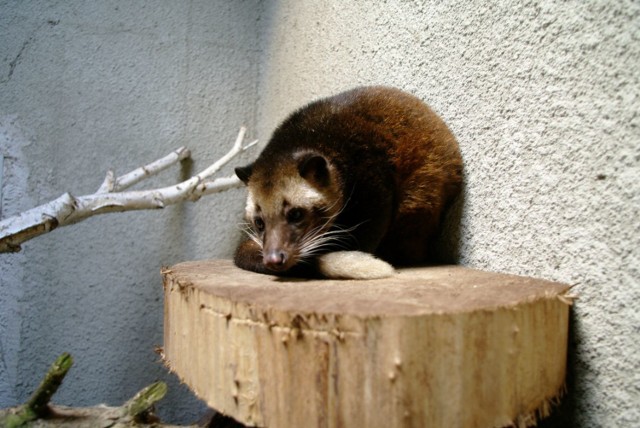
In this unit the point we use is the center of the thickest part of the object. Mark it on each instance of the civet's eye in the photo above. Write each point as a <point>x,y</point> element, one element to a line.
<point>295,215</point>
<point>259,224</point>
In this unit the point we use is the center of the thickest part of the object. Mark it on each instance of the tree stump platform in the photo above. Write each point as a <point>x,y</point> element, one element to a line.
<point>440,346</point>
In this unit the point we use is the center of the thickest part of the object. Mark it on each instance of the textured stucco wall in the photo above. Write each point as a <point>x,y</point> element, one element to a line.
<point>544,100</point>
<point>87,86</point>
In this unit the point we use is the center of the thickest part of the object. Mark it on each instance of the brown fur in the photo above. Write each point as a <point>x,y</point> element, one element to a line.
<point>392,168</point>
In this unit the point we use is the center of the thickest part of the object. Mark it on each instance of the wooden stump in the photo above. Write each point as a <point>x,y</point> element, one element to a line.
<point>431,347</point>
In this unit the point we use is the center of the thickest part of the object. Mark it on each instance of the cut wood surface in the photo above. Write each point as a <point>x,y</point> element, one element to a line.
<point>430,347</point>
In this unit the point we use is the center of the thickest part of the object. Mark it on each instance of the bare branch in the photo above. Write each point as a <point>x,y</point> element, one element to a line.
<point>153,168</point>
<point>68,209</point>
<point>220,184</point>
<point>235,150</point>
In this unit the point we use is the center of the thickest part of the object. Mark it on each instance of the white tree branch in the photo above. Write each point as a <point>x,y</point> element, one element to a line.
<point>112,184</point>
<point>68,209</point>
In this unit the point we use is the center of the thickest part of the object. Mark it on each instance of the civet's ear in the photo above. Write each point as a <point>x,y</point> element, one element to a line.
<point>314,168</point>
<point>244,173</point>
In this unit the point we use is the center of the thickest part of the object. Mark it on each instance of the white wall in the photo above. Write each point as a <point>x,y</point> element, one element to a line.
<point>543,98</point>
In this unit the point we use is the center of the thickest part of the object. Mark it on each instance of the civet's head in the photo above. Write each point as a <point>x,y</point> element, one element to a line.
<point>292,204</point>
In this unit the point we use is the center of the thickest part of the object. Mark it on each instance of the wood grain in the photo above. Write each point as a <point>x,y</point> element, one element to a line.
<point>435,346</point>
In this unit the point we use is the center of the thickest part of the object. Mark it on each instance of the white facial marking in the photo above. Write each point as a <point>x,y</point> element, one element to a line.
<point>250,207</point>
<point>299,193</point>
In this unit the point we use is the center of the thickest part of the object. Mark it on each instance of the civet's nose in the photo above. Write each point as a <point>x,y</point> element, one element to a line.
<point>275,259</point>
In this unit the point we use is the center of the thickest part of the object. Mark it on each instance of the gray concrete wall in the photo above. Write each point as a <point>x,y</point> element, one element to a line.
<point>543,98</point>
<point>90,85</point>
